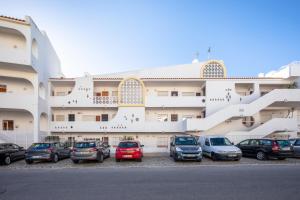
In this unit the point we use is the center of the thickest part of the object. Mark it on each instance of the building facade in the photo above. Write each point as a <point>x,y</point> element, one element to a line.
<point>149,105</point>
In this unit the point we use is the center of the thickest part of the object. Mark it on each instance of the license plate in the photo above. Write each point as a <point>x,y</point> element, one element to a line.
<point>36,157</point>
<point>286,148</point>
<point>231,155</point>
<point>127,156</point>
<point>189,155</point>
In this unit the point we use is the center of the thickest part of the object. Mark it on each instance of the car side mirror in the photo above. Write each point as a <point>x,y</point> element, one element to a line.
<point>142,145</point>
<point>232,143</point>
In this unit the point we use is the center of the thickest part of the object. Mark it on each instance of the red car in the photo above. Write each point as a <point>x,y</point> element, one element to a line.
<point>129,150</point>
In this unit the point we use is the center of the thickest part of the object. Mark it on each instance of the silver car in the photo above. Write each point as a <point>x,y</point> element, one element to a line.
<point>90,150</point>
<point>296,146</point>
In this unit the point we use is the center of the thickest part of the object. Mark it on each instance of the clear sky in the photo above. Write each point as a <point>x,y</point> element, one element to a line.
<point>110,36</point>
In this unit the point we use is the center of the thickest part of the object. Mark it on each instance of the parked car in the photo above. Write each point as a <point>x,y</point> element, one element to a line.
<point>46,151</point>
<point>10,152</point>
<point>263,149</point>
<point>90,150</point>
<point>129,150</point>
<point>219,148</point>
<point>296,146</point>
<point>185,148</point>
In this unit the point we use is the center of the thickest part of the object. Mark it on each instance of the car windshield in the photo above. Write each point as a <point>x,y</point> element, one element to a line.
<point>220,142</point>
<point>283,143</point>
<point>85,145</point>
<point>185,141</point>
<point>40,145</point>
<point>128,145</point>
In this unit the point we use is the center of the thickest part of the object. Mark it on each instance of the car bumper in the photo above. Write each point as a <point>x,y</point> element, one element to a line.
<point>84,156</point>
<point>135,155</point>
<point>228,156</point>
<point>287,154</point>
<point>38,157</point>
<point>189,155</point>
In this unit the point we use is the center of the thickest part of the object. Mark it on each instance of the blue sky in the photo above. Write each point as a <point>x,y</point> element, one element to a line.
<point>110,36</point>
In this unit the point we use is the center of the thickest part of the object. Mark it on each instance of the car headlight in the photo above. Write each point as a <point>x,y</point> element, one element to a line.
<point>238,151</point>
<point>220,151</point>
<point>178,149</point>
<point>199,149</point>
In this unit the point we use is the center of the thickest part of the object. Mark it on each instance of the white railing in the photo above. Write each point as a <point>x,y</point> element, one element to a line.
<point>175,101</point>
<point>16,101</point>
<point>241,110</point>
<point>23,139</point>
<point>105,100</point>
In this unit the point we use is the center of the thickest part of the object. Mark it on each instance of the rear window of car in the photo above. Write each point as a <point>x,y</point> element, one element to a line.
<point>85,144</point>
<point>266,142</point>
<point>128,144</point>
<point>40,145</point>
<point>283,143</point>
<point>297,143</point>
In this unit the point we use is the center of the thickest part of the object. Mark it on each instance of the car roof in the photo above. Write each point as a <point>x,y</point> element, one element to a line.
<point>184,136</point>
<point>213,136</point>
<point>130,141</point>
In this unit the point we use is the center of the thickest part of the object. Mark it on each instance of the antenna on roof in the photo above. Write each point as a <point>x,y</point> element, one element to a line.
<point>196,56</point>
<point>208,53</point>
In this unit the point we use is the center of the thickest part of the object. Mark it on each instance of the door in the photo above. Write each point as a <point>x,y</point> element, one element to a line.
<point>297,148</point>
<point>253,147</point>
<point>244,146</point>
<point>206,147</point>
<point>13,151</point>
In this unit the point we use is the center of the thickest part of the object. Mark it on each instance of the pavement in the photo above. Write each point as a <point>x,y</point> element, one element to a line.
<point>220,182</point>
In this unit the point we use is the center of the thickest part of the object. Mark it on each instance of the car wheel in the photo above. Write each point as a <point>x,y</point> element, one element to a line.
<point>29,162</point>
<point>213,156</point>
<point>118,160</point>
<point>55,158</point>
<point>100,158</point>
<point>260,155</point>
<point>199,160</point>
<point>237,159</point>
<point>175,157</point>
<point>7,160</point>
<point>75,161</point>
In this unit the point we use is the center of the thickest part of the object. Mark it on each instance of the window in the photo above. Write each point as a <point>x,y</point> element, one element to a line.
<point>131,92</point>
<point>104,117</point>
<point>60,93</point>
<point>254,142</point>
<point>8,125</point>
<point>174,93</point>
<point>188,93</point>
<point>162,93</point>
<point>3,88</point>
<point>162,117</point>
<point>198,116</point>
<point>60,118</point>
<point>266,142</point>
<point>162,142</point>
<point>174,117</point>
<point>98,118</point>
<point>248,121</point>
<point>71,117</point>
<point>88,117</point>
<point>114,93</point>
<point>198,94</point>
<point>246,142</point>
<point>213,69</point>
<point>105,93</point>
<point>98,94</point>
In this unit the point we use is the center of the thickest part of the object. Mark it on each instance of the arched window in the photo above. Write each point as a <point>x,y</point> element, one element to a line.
<point>213,69</point>
<point>131,92</point>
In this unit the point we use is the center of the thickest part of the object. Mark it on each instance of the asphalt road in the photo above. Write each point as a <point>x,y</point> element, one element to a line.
<point>141,183</point>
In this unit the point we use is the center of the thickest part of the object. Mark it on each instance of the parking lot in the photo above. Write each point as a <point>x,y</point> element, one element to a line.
<point>153,160</point>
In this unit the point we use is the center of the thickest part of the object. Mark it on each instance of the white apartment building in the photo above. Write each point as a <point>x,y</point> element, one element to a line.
<point>149,105</point>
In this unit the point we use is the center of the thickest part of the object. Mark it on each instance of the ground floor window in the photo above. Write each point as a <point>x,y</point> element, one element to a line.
<point>71,117</point>
<point>104,117</point>
<point>174,117</point>
<point>8,125</point>
<point>3,88</point>
<point>162,142</point>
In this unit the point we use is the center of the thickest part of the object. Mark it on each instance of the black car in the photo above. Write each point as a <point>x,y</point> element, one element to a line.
<point>10,152</point>
<point>47,152</point>
<point>263,149</point>
<point>296,147</point>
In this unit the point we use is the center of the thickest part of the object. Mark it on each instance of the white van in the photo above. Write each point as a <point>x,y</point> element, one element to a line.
<point>219,148</point>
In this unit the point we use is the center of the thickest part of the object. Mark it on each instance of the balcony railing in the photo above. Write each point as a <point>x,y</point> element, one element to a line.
<point>175,101</point>
<point>105,100</point>
<point>16,101</point>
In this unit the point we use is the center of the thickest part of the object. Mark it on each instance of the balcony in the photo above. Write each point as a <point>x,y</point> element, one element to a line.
<point>74,101</point>
<point>16,101</point>
<point>175,101</point>
<point>114,126</point>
